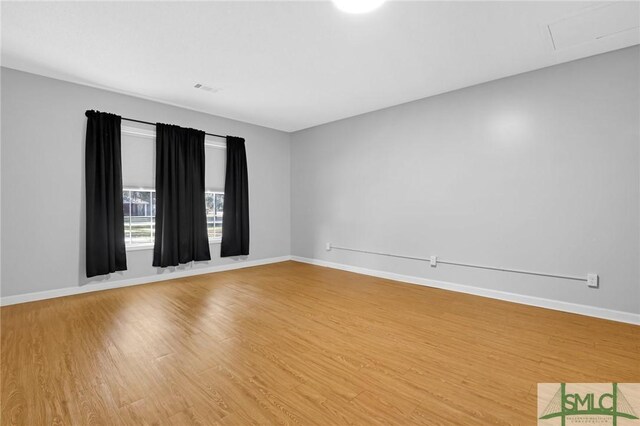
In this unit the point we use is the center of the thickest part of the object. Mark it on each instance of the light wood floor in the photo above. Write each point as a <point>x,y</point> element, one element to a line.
<point>299,344</point>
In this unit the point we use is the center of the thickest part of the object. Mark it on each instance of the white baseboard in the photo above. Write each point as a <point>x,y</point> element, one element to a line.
<point>592,311</point>
<point>88,288</point>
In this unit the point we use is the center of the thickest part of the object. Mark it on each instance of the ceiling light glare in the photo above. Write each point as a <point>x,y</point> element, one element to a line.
<point>358,6</point>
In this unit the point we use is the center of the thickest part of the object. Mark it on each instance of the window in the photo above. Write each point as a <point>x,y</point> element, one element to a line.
<point>138,174</point>
<point>139,217</point>
<point>139,208</point>
<point>214,201</point>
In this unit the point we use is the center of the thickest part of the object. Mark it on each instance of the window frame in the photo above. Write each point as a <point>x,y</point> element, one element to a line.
<point>141,246</point>
<point>149,246</point>
<point>214,240</point>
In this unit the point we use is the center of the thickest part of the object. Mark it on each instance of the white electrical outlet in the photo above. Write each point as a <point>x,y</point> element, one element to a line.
<point>592,280</point>
<point>434,261</point>
<point>328,247</point>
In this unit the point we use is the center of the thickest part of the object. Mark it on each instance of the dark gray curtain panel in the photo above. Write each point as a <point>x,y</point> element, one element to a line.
<point>235,225</point>
<point>181,217</point>
<point>103,180</point>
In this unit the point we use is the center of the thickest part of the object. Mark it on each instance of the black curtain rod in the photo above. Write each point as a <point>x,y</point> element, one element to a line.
<point>153,124</point>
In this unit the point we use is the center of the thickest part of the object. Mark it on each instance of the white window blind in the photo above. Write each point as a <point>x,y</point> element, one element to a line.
<point>215,158</point>
<point>139,164</point>
<point>138,158</point>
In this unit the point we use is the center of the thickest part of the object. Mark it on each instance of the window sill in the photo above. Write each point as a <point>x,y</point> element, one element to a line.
<point>138,247</point>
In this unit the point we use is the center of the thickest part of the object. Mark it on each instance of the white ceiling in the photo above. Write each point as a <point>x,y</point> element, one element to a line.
<point>293,65</point>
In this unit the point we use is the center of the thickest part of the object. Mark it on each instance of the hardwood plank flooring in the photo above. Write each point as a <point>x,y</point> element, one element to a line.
<point>291,343</point>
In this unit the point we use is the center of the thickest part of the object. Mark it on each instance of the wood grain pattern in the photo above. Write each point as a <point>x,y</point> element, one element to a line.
<point>291,343</point>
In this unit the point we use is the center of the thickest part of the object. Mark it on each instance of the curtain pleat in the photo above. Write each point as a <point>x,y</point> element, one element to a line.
<point>181,218</point>
<point>105,248</point>
<point>235,225</point>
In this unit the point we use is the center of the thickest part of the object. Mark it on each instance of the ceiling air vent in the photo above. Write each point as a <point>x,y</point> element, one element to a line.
<point>205,88</point>
<point>595,23</point>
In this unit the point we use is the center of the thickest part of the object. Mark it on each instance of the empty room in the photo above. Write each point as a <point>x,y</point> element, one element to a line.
<point>338,212</point>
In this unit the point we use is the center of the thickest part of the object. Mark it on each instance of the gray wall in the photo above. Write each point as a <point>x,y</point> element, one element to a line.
<point>43,126</point>
<point>538,171</point>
